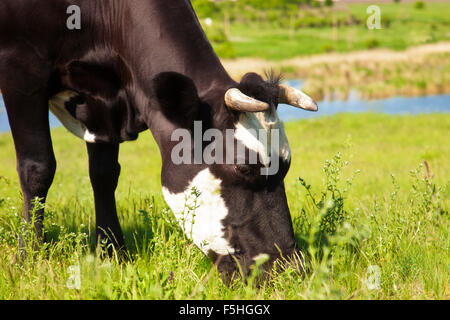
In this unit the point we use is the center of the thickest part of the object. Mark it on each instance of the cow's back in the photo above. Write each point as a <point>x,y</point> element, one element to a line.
<point>31,18</point>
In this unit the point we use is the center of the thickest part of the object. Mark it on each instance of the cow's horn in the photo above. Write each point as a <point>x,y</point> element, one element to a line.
<point>236,100</point>
<point>296,98</point>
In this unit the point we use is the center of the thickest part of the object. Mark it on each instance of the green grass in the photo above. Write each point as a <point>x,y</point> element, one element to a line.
<point>402,25</point>
<point>416,75</point>
<point>399,224</point>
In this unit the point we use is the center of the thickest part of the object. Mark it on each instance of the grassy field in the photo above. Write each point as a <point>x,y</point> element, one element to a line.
<point>378,63</point>
<point>423,70</point>
<point>394,216</point>
<point>277,38</point>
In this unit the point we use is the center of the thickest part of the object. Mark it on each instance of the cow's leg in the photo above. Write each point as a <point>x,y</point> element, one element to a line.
<point>104,171</point>
<point>36,165</point>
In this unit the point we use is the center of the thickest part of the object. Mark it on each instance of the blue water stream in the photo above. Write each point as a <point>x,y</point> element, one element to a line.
<point>354,104</point>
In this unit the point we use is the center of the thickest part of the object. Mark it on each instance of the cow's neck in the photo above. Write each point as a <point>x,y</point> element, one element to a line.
<point>168,37</point>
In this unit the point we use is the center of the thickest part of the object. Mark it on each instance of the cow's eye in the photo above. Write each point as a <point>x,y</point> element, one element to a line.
<point>246,170</point>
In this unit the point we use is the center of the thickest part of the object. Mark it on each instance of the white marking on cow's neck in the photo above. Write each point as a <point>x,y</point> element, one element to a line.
<point>265,121</point>
<point>57,105</point>
<point>201,217</point>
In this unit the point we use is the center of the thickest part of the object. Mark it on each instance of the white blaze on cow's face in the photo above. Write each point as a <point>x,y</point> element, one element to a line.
<point>250,124</point>
<point>201,216</point>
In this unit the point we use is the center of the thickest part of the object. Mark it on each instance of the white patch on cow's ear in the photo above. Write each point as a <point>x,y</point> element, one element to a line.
<point>201,216</point>
<point>57,105</point>
<point>251,123</point>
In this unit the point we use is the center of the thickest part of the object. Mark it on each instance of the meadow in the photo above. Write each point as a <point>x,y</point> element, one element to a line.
<point>381,73</point>
<point>366,192</point>
<point>240,30</point>
<point>332,48</point>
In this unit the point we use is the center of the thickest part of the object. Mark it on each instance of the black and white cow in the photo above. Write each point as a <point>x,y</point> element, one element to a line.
<point>145,64</point>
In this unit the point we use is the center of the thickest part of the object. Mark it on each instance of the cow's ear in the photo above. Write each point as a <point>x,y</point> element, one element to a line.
<point>93,79</point>
<point>178,98</point>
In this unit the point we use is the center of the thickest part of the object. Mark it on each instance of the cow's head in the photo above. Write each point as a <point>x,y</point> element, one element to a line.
<point>225,156</point>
